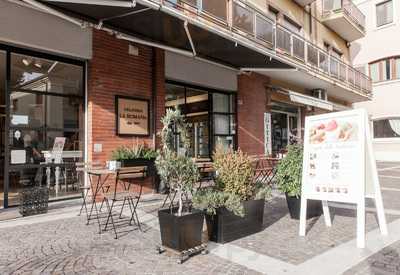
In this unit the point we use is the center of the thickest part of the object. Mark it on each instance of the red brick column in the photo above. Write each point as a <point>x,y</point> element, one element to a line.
<point>252,104</point>
<point>113,71</point>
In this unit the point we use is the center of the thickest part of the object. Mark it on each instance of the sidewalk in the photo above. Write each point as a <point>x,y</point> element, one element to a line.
<point>61,243</point>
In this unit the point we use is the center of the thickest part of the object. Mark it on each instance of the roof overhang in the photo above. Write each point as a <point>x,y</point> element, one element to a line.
<point>145,21</point>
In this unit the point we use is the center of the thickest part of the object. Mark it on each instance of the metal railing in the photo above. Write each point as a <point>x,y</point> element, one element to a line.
<point>348,7</point>
<point>242,19</point>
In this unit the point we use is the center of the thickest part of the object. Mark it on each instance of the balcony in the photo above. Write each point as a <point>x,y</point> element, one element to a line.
<point>304,2</point>
<point>232,33</point>
<point>344,18</point>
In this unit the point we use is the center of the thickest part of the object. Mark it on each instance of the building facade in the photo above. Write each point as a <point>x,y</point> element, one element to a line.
<point>378,55</point>
<point>244,73</point>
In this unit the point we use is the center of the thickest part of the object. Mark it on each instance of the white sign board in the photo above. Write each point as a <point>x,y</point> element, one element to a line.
<point>267,134</point>
<point>58,148</point>
<point>337,157</point>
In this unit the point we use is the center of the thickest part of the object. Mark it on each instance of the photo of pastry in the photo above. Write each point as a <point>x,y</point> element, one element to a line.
<point>332,131</point>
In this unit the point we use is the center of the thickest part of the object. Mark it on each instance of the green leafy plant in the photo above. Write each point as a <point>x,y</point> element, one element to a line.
<point>289,171</point>
<point>178,172</point>
<point>234,184</point>
<point>135,152</point>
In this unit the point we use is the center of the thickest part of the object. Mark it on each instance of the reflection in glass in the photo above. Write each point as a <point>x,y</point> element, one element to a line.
<point>221,103</point>
<point>226,141</point>
<point>46,102</point>
<point>38,74</point>
<point>26,110</point>
<point>217,8</point>
<point>242,18</point>
<point>221,124</point>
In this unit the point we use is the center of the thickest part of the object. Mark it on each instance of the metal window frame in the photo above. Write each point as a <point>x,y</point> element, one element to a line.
<point>9,50</point>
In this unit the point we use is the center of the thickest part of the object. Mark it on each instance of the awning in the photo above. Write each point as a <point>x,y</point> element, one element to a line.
<point>141,19</point>
<point>310,101</point>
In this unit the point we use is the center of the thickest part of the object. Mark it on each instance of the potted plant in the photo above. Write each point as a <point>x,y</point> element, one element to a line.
<point>137,155</point>
<point>181,227</point>
<point>288,178</point>
<point>235,205</point>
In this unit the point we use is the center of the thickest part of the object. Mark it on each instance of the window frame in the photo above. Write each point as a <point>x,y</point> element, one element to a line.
<point>231,113</point>
<point>377,25</point>
<point>383,139</point>
<point>382,69</point>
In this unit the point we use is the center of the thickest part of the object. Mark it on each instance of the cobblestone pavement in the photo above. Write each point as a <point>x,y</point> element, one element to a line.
<point>280,237</point>
<point>70,247</point>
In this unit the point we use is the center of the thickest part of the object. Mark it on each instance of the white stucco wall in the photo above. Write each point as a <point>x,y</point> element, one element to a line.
<point>380,42</point>
<point>30,28</point>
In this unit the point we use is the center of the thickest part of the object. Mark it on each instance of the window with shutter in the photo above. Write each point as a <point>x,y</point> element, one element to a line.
<point>384,13</point>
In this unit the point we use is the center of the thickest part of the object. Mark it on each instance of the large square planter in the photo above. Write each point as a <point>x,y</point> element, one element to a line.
<point>314,208</point>
<point>226,227</point>
<point>180,233</point>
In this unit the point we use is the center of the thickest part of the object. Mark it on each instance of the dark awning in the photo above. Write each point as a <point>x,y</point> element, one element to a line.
<point>159,27</point>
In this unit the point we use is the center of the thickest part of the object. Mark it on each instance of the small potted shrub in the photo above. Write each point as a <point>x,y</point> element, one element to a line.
<point>288,178</point>
<point>134,156</point>
<point>181,227</point>
<point>235,205</point>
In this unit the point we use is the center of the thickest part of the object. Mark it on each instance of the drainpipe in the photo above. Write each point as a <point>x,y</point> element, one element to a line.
<point>154,94</point>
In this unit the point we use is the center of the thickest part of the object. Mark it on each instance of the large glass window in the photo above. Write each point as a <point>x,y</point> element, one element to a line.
<point>387,128</point>
<point>210,115</point>
<point>384,13</point>
<point>46,102</point>
<point>385,69</point>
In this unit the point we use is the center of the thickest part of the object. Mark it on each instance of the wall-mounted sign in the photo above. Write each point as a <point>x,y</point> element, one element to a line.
<point>267,134</point>
<point>338,165</point>
<point>133,116</point>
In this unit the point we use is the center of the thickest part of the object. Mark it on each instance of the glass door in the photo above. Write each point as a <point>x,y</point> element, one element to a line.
<point>2,123</point>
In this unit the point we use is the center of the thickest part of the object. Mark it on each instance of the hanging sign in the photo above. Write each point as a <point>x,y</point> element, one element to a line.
<point>133,116</point>
<point>338,165</point>
<point>267,134</point>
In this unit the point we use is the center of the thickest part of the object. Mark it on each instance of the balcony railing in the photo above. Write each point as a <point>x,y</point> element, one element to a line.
<point>348,7</point>
<point>240,18</point>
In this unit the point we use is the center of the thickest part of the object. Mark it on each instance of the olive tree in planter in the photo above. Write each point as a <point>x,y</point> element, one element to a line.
<point>288,178</point>
<point>180,227</point>
<point>235,205</point>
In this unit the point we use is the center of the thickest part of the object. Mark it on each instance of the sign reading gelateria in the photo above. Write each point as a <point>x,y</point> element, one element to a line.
<point>132,116</point>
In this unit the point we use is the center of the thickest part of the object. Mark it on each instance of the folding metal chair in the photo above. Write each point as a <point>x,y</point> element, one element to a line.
<point>129,197</point>
<point>80,168</point>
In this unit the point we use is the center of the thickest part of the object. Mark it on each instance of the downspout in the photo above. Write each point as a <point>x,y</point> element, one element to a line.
<point>154,75</point>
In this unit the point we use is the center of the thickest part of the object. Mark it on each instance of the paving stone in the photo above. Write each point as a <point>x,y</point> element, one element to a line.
<point>70,247</point>
<point>280,238</point>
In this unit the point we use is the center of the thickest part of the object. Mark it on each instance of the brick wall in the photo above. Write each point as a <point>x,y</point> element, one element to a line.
<point>252,104</point>
<point>112,71</point>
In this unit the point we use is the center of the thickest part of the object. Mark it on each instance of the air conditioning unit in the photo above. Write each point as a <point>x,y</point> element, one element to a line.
<point>320,94</point>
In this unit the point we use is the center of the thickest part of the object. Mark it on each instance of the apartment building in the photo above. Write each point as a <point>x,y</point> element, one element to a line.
<point>378,55</point>
<point>245,74</point>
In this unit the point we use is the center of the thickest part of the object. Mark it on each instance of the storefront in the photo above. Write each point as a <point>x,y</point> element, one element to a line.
<point>43,99</point>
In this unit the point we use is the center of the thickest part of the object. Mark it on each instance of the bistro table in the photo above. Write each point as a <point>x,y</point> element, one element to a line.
<point>97,186</point>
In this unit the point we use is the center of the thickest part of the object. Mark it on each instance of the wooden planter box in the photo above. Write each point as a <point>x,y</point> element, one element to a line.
<point>314,208</point>
<point>180,233</point>
<point>226,227</point>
